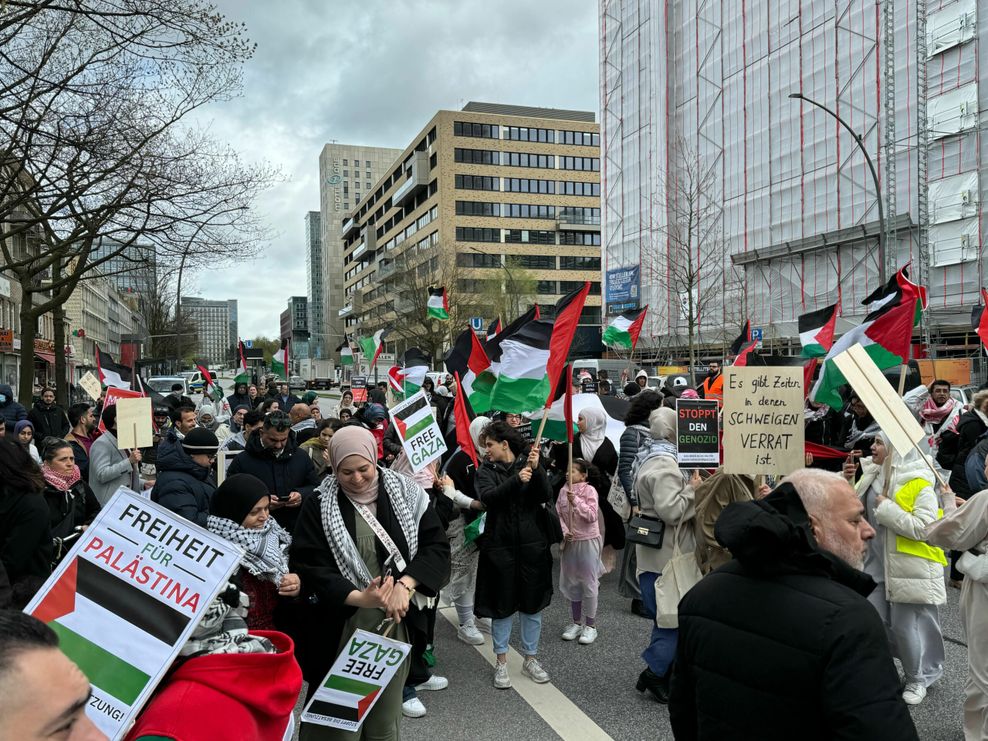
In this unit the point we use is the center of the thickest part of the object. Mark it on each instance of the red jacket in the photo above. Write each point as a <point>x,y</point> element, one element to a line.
<point>235,697</point>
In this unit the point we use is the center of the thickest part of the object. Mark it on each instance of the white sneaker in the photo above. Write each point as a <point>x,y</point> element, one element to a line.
<point>435,682</point>
<point>589,635</point>
<point>534,670</point>
<point>501,679</point>
<point>914,693</point>
<point>572,631</point>
<point>483,625</point>
<point>468,633</point>
<point>413,708</point>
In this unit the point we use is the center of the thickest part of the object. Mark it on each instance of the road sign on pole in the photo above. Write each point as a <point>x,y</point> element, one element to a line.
<point>477,323</point>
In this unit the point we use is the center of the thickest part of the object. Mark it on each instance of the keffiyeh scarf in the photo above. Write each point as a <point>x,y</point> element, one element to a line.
<point>265,549</point>
<point>223,629</point>
<point>933,414</point>
<point>408,502</point>
<point>60,481</point>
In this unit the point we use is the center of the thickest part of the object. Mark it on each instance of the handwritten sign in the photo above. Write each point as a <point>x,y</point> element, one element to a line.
<point>127,597</point>
<point>697,433</point>
<point>90,384</point>
<point>134,425</point>
<point>763,420</point>
<point>415,421</point>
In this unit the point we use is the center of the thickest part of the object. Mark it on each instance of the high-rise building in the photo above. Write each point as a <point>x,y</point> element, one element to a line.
<point>132,268</point>
<point>216,327</point>
<point>347,173</point>
<point>315,278</point>
<point>493,202</point>
<point>703,92</point>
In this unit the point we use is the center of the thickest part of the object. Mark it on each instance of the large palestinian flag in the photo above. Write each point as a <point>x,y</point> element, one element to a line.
<point>467,360</point>
<point>624,330</point>
<point>567,316</point>
<point>111,373</point>
<point>371,346</point>
<point>87,603</point>
<point>885,334</point>
<point>816,331</point>
<point>414,366</point>
<point>523,383</point>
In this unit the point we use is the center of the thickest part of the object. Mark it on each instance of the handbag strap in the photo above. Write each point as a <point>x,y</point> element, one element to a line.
<point>381,534</point>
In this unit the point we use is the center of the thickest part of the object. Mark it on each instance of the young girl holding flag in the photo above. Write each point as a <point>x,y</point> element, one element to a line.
<point>580,566</point>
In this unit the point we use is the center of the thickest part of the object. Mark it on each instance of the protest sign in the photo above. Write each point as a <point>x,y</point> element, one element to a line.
<point>763,420</point>
<point>588,386</point>
<point>134,424</point>
<point>127,596</point>
<point>697,433</point>
<point>359,675</point>
<point>358,387</point>
<point>223,460</point>
<point>90,384</point>
<point>113,395</point>
<point>420,436</point>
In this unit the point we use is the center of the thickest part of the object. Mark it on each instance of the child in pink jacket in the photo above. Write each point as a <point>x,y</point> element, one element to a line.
<point>580,566</point>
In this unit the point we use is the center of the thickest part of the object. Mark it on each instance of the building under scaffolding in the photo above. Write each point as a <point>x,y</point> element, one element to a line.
<point>786,210</point>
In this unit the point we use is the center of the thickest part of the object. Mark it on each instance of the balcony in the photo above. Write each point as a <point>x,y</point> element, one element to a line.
<point>347,310</point>
<point>417,176</point>
<point>386,268</point>
<point>368,244</point>
<point>577,222</point>
<point>349,225</point>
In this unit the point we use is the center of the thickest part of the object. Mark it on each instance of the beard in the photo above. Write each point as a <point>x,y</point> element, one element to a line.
<point>850,553</point>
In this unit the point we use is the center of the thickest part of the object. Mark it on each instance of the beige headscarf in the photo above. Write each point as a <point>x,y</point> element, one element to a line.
<point>477,427</point>
<point>355,441</point>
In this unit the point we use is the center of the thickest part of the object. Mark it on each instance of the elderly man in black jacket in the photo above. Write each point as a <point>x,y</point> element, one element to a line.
<point>781,643</point>
<point>272,456</point>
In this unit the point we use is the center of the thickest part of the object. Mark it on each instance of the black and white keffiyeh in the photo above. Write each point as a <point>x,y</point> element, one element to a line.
<point>265,549</point>
<point>408,502</point>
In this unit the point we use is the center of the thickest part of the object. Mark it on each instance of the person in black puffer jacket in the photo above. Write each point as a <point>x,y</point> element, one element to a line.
<point>781,642</point>
<point>25,536</point>
<point>185,478</point>
<point>48,418</point>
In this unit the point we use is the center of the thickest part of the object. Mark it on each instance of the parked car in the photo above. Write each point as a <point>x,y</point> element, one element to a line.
<point>321,384</point>
<point>296,383</point>
<point>163,384</point>
<point>963,394</point>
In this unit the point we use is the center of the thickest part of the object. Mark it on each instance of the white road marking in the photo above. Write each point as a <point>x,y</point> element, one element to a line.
<point>562,715</point>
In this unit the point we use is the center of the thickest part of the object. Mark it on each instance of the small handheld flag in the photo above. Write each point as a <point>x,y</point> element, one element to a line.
<point>438,304</point>
<point>345,351</point>
<point>624,330</point>
<point>816,331</point>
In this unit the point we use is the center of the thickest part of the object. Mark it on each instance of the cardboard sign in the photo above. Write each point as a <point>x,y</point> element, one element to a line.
<point>135,427</point>
<point>420,436</point>
<point>113,395</point>
<point>358,387</point>
<point>955,370</point>
<point>365,666</point>
<point>884,404</point>
<point>697,433</point>
<point>763,420</point>
<point>91,385</point>
<point>126,598</point>
<point>224,458</point>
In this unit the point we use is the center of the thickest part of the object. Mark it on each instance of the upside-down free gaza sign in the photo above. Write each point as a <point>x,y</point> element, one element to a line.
<point>420,435</point>
<point>126,598</point>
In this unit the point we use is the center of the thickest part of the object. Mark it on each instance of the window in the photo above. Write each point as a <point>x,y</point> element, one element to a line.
<point>480,131</point>
<point>345,163</point>
<point>477,260</point>
<point>477,156</point>
<point>579,138</point>
<point>524,159</point>
<point>530,236</point>
<point>477,208</point>
<point>546,287</point>
<point>532,262</point>
<point>529,211</point>
<point>477,182</point>
<point>570,188</point>
<point>367,175</point>
<point>525,185</point>
<point>579,238</point>
<point>525,134</point>
<point>474,234</point>
<point>572,262</point>
<point>367,185</point>
<point>366,163</point>
<point>579,163</point>
<point>565,286</point>
<point>346,173</point>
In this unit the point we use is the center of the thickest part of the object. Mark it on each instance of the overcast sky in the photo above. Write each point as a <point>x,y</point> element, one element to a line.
<point>374,72</point>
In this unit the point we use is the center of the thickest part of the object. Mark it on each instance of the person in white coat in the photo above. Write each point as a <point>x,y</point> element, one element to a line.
<point>966,529</point>
<point>900,502</point>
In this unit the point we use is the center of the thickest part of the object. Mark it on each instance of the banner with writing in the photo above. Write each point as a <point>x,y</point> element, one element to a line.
<point>358,387</point>
<point>763,420</point>
<point>126,598</point>
<point>697,433</point>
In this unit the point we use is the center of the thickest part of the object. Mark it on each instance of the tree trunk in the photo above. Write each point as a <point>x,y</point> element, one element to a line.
<point>61,362</point>
<point>29,330</point>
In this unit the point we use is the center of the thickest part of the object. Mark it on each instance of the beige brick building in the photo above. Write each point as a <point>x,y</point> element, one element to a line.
<point>501,204</point>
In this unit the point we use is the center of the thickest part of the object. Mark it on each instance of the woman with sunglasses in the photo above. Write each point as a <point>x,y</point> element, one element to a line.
<point>367,548</point>
<point>185,481</point>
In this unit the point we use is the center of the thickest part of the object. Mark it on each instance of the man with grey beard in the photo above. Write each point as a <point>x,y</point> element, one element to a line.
<point>781,642</point>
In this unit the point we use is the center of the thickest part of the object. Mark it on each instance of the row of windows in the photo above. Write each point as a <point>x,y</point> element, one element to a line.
<point>481,131</point>
<point>526,236</point>
<point>477,156</point>
<point>477,182</point>
<point>578,215</point>
<point>540,262</point>
<point>524,159</point>
<point>525,134</point>
<point>579,138</point>
<point>356,163</point>
<point>527,185</point>
<point>356,174</point>
<point>529,236</point>
<point>579,163</point>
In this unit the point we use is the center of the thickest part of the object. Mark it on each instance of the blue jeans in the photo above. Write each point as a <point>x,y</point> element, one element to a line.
<point>531,629</point>
<point>661,649</point>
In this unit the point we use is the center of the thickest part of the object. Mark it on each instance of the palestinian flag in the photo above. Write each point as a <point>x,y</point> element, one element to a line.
<point>979,319</point>
<point>743,345</point>
<point>371,346</point>
<point>110,373</point>
<point>493,346</point>
<point>113,631</point>
<point>624,330</point>
<point>414,365</point>
<point>816,331</point>
<point>395,379</point>
<point>210,388</point>
<point>414,418</point>
<point>345,351</point>
<point>568,311</point>
<point>469,363</point>
<point>438,304</point>
<point>463,416</point>
<point>243,376</point>
<point>343,697</point>
<point>494,329</point>
<point>279,363</point>
<point>885,334</point>
<point>523,382</point>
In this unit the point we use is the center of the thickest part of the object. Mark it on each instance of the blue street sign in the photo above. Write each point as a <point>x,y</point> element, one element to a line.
<point>248,344</point>
<point>477,323</point>
<point>757,334</point>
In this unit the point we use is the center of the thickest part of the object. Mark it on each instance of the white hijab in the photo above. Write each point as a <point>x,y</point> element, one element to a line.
<point>593,437</point>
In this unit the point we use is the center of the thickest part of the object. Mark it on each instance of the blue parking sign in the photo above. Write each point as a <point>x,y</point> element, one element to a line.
<point>757,334</point>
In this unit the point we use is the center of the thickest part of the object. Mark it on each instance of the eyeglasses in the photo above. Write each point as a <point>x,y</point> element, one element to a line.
<point>278,421</point>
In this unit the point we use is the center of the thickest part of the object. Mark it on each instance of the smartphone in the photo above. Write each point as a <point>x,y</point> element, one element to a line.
<point>388,568</point>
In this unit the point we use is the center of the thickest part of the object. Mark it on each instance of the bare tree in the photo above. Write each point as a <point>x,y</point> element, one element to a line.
<point>94,146</point>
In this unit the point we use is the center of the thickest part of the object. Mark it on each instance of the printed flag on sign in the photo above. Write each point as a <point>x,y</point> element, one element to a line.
<point>414,418</point>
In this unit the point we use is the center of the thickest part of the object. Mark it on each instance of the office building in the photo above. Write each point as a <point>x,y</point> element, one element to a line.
<point>347,173</point>
<point>315,277</point>
<point>495,202</point>
<point>294,322</point>
<point>132,268</point>
<point>216,328</point>
<point>707,87</point>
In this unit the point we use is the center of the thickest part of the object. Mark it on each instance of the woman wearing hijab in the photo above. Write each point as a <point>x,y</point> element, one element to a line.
<point>350,572</point>
<point>24,436</point>
<point>346,402</point>
<point>372,417</point>
<point>900,502</point>
<point>239,511</point>
<point>464,556</point>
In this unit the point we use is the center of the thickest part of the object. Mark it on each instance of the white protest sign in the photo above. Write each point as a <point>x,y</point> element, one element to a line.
<point>91,385</point>
<point>365,666</point>
<point>134,425</point>
<point>126,598</point>
<point>763,420</point>
<point>884,404</point>
<point>420,435</point>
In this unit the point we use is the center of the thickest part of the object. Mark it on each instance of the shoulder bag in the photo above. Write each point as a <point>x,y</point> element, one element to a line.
<point>646,531</point>
<point>680,575</point>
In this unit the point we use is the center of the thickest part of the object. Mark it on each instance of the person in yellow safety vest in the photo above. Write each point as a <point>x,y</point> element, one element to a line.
<point>712,387</point>
<point>900,501</point>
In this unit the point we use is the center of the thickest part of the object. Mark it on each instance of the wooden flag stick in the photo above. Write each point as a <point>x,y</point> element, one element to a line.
<point>538,437</point>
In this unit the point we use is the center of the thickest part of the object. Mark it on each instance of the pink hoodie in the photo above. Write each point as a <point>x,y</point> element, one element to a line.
<point>582,522</point>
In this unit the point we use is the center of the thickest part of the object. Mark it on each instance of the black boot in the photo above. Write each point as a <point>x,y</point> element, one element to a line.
<point>658,686</point>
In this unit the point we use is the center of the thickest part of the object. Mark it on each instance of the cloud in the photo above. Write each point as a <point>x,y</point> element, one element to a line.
<point>374,72</point>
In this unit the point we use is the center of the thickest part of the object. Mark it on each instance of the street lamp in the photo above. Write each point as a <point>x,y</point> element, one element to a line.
<point>858,139</point>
